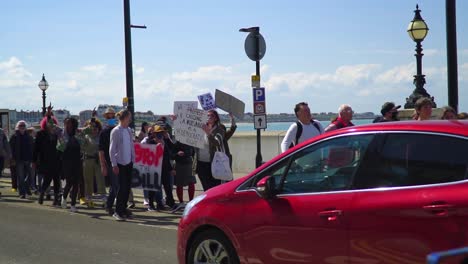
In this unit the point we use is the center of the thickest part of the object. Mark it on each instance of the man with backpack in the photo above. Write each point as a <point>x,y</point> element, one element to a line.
<point>303,129</point>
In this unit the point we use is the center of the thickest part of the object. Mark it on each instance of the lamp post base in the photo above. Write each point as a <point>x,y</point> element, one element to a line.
<point>419,92</point>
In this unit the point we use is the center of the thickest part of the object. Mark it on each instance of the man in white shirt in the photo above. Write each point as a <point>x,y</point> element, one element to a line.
<point>304,129</point>
<point>122,156</point>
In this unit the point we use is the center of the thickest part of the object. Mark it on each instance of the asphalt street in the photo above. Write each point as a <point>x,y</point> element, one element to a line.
<point>31,233</point>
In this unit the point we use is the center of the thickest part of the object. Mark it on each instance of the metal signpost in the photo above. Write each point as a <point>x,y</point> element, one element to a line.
<point>255,48</point>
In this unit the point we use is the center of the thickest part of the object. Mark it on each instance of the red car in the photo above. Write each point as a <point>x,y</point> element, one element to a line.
<point>381,193</point>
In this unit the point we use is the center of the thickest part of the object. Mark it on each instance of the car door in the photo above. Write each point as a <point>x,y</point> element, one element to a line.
<point>307,221</point>
<point>410,198</point>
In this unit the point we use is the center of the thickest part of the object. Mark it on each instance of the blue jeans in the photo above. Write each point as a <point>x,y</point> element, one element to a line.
<point>114,187</point>
<point>22,172</point>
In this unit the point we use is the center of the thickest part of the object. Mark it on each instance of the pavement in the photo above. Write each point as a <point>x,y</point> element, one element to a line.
<point>33,233</point>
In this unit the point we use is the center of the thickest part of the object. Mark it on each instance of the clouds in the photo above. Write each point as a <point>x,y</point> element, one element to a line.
<point>365,86</point>
<point>13,73</point>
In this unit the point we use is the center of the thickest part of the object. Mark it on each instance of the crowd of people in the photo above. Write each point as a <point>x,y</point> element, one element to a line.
<point>306,127</point>
<point>81,162</point>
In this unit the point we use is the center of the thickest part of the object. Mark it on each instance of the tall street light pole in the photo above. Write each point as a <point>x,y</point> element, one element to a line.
<point>128,59</point>
<point>452,64</point>
<point>43,85</point>
<point>417,30</point>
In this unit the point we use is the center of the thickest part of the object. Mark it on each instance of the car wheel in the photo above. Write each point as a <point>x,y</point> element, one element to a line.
<point>212,247</point>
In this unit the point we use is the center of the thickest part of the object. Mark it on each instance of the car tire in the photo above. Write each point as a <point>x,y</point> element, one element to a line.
<point>211,246</point>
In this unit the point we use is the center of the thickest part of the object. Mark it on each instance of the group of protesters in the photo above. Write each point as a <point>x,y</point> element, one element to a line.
<point>80,162</point>
<point>306,127</point>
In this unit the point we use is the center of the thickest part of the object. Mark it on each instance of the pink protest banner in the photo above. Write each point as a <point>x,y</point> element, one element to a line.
<point>148,166</point>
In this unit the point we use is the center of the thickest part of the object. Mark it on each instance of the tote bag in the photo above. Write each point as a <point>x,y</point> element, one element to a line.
<point>220,168</point>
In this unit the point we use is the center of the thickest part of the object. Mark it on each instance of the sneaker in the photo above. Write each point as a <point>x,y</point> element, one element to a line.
<point>64,203</point>
<point>151,209</point>
<point>131,205</point>
<point>22,196</point>
<point>82,201</point>
<point>118,217</point>
<point>73,209</point>
<point>178,207</point>
<point>56,202</point>
<point>160,207</point>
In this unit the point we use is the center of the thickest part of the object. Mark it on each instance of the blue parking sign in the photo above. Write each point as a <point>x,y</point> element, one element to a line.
<point>259,94</point>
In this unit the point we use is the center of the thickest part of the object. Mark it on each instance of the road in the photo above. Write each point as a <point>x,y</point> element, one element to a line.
<point>30,233</point>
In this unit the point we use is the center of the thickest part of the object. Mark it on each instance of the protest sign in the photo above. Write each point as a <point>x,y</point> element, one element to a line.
<point>229,103</point>
<point>147,167</point>
<point>188,125</point>
<point>207,101</point>
<point>179,105</point>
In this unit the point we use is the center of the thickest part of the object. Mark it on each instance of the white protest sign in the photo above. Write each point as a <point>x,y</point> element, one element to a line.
<point>179,105</point>
<point>229,104</point>
<point>188,125</point>
<point>148,166</point>
<point>207,101</point>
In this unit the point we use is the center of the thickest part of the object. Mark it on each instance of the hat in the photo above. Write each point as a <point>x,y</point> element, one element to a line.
<point>109,110</point>
<point>389,106</point>
<point>159,129</point>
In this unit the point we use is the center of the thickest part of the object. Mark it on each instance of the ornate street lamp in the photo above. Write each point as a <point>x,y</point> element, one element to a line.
<point>417,30</point>
<point>43,85</point>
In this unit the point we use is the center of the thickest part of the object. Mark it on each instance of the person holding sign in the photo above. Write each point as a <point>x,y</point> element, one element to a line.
<point>216,134</point>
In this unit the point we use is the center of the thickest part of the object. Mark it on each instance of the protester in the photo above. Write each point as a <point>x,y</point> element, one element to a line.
<point>149,197</point>
<point>345,115</point>
<point>33,181</point>
<point>143,132</point>
<point>46,156</point>
<point>216,134</point>
<point>91,167</point>
<point>303,129</point>
<point>389,113</point>
<point>449,113</point>
<point>21,148</point>
<point>104,158</point>
<point>423,109</point>
<point>122,156</point>
<point>5,152</point>
<point>183,156</point>
<point>163,122</point>
<point>167,172</point>
<point>71,164</point>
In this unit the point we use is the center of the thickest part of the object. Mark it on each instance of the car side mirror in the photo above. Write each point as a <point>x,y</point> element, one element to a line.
<point>266,187</point>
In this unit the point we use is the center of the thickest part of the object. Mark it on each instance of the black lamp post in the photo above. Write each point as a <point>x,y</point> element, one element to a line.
<point>43,85</point>
<point>417,30</point>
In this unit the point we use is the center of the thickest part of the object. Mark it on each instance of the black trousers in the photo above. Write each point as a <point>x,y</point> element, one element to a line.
<point>125,181</point>
<point>167,180</point>
<point>48,178</point>
<point>72,184</point>
<point>205,176</point>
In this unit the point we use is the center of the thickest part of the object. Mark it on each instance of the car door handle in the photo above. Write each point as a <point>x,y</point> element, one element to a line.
<point>330,215</point>
<point>438,209</point>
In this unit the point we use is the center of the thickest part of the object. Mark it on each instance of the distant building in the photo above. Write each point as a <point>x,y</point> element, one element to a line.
<point>31,117</point>
<point>145,116</point>
<point>61,115</point>
<point>84,116</point>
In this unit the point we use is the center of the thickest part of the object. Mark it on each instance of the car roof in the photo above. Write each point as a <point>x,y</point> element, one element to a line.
<point>453,127</point>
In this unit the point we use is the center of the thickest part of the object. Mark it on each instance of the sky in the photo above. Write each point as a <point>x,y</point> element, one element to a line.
<point>326,53</point>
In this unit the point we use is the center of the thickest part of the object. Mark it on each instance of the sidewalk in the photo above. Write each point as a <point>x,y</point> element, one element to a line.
<point>5,182</point>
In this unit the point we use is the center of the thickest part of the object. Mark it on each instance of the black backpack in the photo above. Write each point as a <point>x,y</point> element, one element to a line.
<point>299,131</point>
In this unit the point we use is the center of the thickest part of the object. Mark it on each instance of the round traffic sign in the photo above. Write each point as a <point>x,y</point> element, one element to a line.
<point>250,46</point>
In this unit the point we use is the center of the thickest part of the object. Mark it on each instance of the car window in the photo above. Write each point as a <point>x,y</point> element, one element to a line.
<point>327,166</point>
<point>414,159</point>
<point>276,171</point>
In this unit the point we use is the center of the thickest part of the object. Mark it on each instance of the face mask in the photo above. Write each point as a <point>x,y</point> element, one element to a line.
<point>112,122</point>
